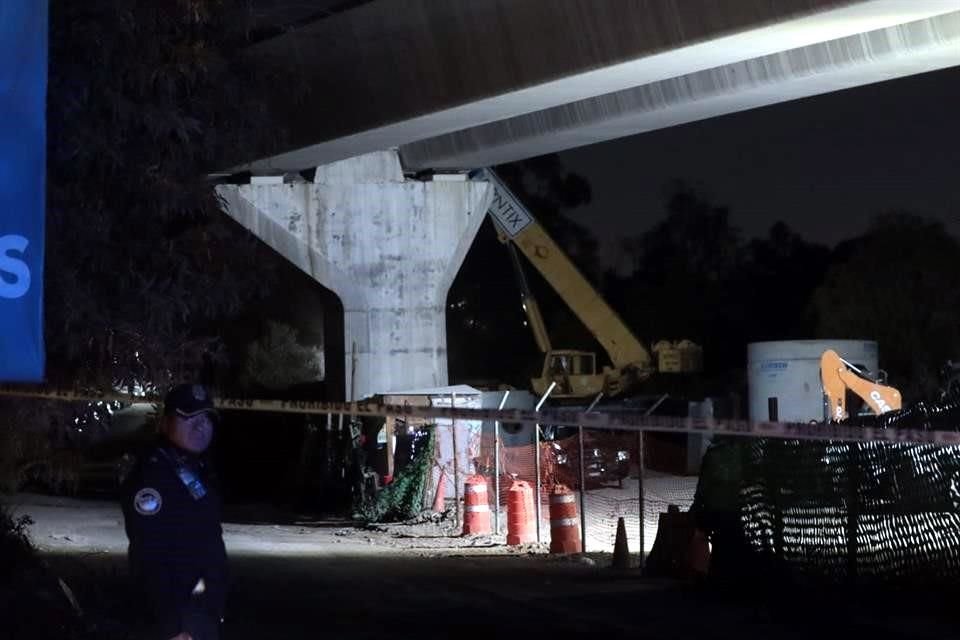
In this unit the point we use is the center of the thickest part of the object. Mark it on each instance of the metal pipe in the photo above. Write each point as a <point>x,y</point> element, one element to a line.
<point>343,467</point>
<point>536,455</point>
<point>596,400</point>
<point>640,469</point>
<point>640,496</point>
<point>546,394</point>
<point>583,481</point>
<point>496,464</point>
<point>456,461</point>
<point>583,497</point>
<point>353,373</point>
<point>536,462</point>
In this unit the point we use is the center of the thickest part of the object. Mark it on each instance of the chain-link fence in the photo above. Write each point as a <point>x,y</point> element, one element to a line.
<point>608,488</point>
<point>876,498</point>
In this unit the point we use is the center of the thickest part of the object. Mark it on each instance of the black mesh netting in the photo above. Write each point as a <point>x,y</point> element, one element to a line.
<point>875,512</point>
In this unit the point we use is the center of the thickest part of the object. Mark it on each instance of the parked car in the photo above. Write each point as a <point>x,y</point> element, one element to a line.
<point>605,463</point>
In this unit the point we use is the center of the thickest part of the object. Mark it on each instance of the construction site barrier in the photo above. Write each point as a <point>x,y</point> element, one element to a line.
<point>564,522</point>
<point>521,518</point>
<point>476,508</point>
<point>605,464</point>
<point>624,421</point>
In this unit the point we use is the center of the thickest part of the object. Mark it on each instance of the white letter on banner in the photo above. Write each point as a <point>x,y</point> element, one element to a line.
<point>15,267</point>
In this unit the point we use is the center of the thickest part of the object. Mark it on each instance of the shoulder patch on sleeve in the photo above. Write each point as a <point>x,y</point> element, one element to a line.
<point>148,501</point>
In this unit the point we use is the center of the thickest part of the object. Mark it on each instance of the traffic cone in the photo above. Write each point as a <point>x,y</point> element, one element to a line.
<point>621,554</point>
<point>440,495</point>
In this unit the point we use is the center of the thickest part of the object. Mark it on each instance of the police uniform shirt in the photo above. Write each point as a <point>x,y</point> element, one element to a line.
<point>171,514</point>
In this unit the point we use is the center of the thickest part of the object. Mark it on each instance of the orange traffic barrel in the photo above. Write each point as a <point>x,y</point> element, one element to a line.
<point>564,523</point>
<point>476,509</point>
<point>521,516</point>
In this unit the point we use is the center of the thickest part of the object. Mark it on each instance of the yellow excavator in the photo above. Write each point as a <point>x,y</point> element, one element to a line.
<point>839,376</point>
<point>575,372</point>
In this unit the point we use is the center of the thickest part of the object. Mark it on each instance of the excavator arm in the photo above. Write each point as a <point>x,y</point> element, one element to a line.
<point>838,376</point>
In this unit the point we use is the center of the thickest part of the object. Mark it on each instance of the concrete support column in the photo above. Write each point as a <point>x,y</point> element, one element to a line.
<point>388,247</point>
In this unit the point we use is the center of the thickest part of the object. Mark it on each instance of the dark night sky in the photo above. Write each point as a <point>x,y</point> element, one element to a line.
<point>825,165</point>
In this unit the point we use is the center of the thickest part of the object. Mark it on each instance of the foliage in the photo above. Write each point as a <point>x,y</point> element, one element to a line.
<point>37,603</point>
<point>277,360</point>
<point>403,498</point>
<point>899,284</point>
<point>144,99</point>
<point>695,242</point>
<point>15,546</point>
<point>545,187</point>
<point>787,269</point>
<point>694,277</point>
<point>31,459</point>
<point>682,270</point>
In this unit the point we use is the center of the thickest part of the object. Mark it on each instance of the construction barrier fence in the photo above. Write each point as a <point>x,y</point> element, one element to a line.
<point>872,499</point>
<point>845,512</point>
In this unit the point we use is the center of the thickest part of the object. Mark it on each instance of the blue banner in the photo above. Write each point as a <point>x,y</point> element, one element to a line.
<point>23,93</point>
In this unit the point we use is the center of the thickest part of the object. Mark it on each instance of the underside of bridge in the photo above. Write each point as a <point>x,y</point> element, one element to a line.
<point>395,87</point>
<point>459,85</point>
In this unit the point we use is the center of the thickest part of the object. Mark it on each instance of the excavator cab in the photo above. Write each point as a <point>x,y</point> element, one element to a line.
<point>575,373</point>
<point>839,376</point>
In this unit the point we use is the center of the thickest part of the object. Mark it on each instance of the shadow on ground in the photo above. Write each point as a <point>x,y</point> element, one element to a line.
<point>357,597</point>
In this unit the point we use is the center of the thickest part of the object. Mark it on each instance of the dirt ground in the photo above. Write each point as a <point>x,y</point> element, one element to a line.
<point>329,579</point>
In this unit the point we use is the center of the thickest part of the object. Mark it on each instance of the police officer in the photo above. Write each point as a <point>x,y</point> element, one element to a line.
<point>171,512</point>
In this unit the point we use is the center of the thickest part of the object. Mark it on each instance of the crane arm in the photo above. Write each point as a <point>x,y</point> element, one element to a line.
<point>517,225</point>
<point>530,306</point>
<point>837,376</point>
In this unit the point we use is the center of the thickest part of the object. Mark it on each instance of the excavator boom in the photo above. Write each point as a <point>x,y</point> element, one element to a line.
<point>838,376</point>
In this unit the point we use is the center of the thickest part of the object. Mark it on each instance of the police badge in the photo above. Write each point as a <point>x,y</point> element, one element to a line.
<point>148,501</point>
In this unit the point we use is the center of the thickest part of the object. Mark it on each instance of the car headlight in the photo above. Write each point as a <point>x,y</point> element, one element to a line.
<point>623,456</point>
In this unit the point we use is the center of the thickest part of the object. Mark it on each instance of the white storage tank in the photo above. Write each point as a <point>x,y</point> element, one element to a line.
<point>789,371</point>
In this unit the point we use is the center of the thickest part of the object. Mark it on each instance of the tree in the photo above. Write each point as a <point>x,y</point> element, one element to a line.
<point>144,98</point>
<point>277,360</point>
<point>547,189</point>
<point>899,285</point>
<point>683,267</point>
<point>694,277</point>
<point>787,270</point>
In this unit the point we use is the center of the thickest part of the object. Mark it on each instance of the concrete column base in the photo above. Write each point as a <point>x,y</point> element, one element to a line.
<point>388,247</point>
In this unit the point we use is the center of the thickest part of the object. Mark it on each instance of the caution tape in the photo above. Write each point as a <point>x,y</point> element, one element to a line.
<point>619,420</point>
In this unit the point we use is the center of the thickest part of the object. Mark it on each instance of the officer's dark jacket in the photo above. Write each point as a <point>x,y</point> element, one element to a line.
<point>175,539</point>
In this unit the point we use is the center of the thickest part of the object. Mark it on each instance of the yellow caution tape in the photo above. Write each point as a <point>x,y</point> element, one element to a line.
<point>619,420</point>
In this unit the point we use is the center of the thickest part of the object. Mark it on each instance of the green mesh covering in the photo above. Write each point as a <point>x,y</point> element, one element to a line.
<point>402,499</point>
<point>875,512</point>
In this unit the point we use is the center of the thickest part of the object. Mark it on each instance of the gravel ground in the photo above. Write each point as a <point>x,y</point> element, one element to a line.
<point>323,578</point>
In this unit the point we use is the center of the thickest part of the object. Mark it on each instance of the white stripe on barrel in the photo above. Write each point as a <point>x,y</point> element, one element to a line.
<point>476,488</point>
<point>561,498</point>
<point>477,508</point>
<point>564,522</point>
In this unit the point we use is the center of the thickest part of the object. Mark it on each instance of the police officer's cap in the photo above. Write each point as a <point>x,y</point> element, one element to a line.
<point>187,400</point>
